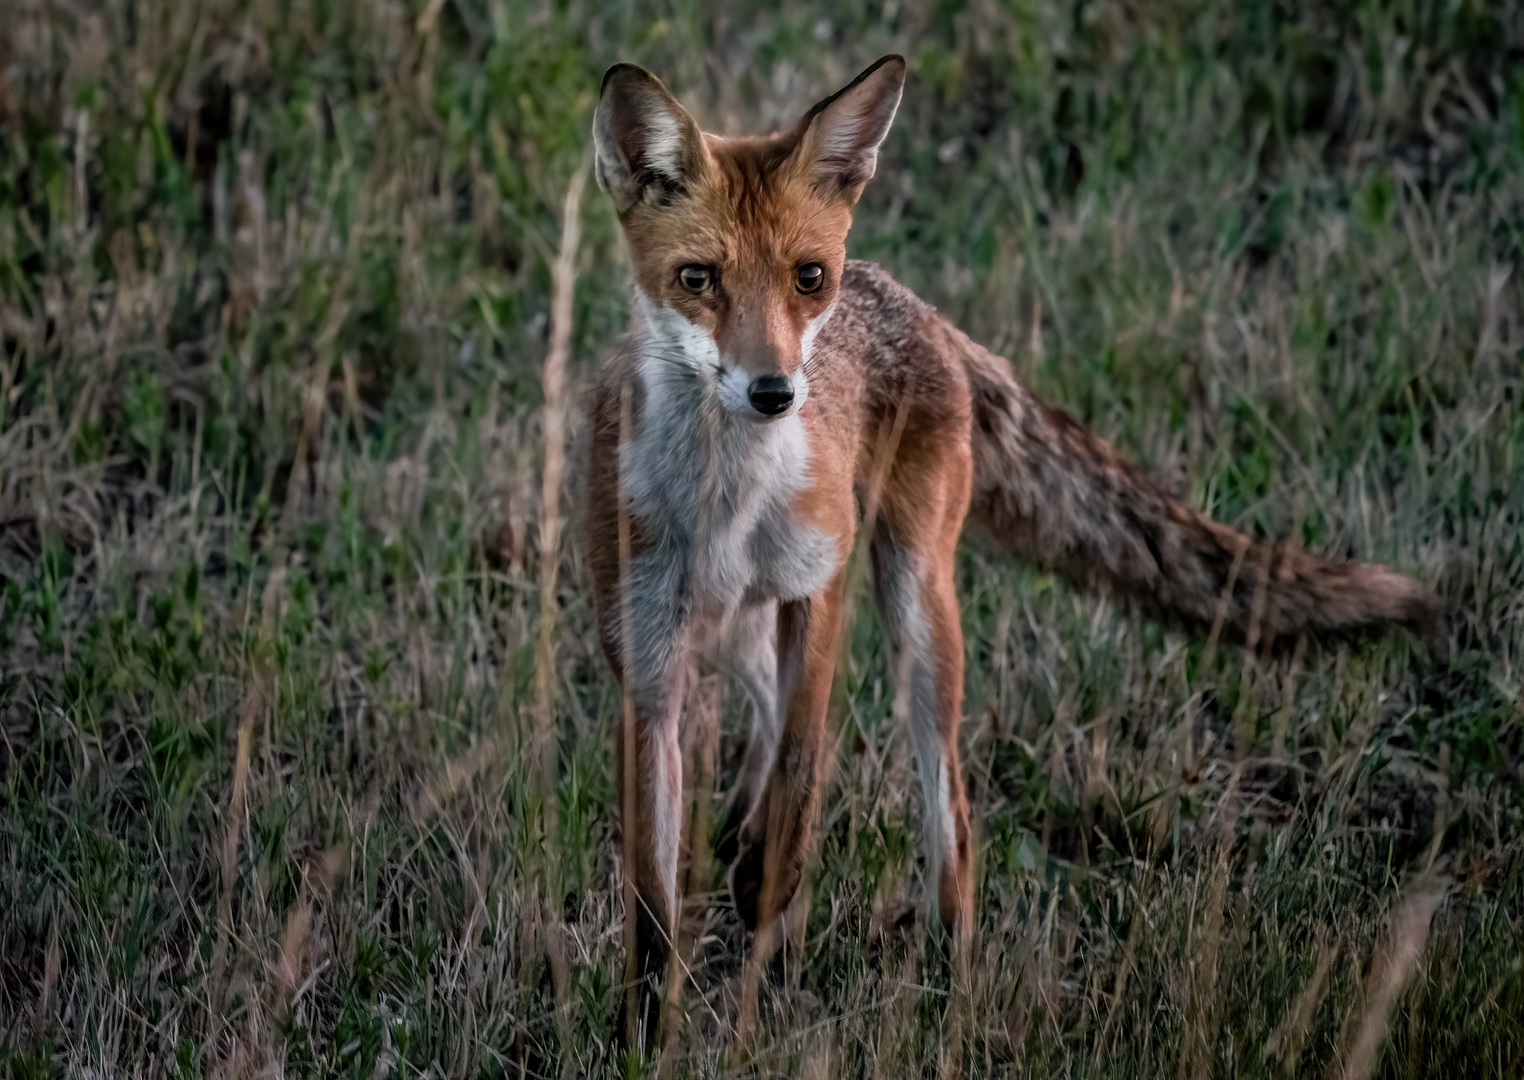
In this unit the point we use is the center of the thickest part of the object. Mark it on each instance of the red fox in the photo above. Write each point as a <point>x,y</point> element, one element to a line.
<point>770,396</point>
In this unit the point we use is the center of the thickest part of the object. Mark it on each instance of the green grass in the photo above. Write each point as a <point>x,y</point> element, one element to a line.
<point>274,291</point>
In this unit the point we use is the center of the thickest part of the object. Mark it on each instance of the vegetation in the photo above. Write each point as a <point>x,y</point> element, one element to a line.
<point>275,293</point>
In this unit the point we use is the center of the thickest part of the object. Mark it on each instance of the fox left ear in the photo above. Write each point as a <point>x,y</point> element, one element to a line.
<point>840,137</point>
<point>647,145</point>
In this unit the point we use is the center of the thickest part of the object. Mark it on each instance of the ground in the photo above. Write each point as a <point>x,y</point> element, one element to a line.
<point>291,781</point>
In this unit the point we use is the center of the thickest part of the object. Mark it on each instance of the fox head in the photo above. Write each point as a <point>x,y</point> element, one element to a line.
<point>738,244</point>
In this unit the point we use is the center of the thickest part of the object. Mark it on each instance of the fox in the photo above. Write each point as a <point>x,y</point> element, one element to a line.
<point>772,398</point>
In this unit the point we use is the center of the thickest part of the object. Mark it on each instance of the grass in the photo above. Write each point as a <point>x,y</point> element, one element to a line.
<point>275,293</point>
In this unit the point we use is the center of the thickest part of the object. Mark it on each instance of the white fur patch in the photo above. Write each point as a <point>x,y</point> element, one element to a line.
<point>716,482</point>
<point>664,337</point>
<point>811,332</point>
<point>899,587</point>
<point>733,390</point>
<point>844,142</point>
<point>664,142</point>
<point>668,787</point>
<point>853,129</point>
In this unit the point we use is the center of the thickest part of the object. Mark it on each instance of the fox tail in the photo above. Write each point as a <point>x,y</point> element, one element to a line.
<point>1048,489</point>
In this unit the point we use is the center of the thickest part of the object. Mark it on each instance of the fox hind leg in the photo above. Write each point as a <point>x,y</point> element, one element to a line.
<point>915,592</point>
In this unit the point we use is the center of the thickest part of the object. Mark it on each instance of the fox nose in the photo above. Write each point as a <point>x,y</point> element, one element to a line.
<point>770,394</point>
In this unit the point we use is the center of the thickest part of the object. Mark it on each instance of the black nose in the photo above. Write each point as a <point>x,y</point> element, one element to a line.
<point>770,394</point>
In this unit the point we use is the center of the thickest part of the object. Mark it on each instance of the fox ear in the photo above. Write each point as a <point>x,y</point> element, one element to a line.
<point>647,145</point>
<point>840,137</point>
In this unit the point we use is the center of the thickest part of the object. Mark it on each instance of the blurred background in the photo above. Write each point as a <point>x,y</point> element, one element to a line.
<point>306,765</point>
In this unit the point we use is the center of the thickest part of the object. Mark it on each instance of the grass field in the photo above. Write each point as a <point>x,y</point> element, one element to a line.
<point>275,292</point>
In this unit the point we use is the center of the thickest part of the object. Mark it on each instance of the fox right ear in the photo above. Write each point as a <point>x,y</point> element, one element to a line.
<point>840,137</point>
<point>647,145</point>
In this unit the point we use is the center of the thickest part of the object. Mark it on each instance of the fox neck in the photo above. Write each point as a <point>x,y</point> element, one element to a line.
<point>717,484</point>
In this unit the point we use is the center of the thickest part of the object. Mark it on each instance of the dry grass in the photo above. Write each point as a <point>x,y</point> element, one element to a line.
<point>307,754</point>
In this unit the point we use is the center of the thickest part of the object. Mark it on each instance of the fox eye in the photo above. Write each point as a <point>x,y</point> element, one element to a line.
<point>695,278</point>
<point>809,277</point>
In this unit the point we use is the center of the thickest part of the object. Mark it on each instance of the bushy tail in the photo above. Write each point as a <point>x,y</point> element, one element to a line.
<point>1051,490</point>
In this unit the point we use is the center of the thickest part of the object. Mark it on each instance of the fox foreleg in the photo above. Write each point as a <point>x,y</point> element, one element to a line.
<point>775,840</point>
<point>654,635</point>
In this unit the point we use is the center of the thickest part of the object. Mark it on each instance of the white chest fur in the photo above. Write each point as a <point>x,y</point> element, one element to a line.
<point>717,488</point>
